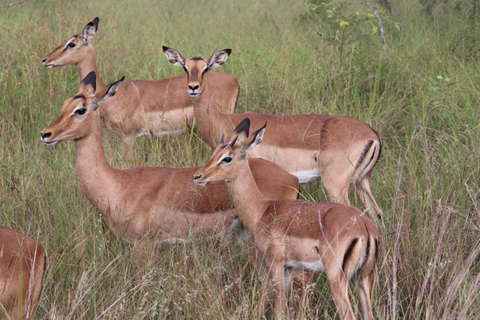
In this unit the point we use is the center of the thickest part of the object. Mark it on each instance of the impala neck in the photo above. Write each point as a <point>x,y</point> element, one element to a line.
<point>248,200</point>
<point>89,64</point>
<point>211,122</point>
<point>96,176</point>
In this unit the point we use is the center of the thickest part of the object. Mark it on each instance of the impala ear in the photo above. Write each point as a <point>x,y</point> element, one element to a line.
<point>90,29</point>
<point>110,92</point>
<point>174,57</point>
<point>89,84</point>
<point>240,133</point>
<point>219,58</point>
<point>256,138</point>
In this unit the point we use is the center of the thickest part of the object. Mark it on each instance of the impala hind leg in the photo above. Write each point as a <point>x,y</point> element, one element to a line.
<point>364,193</point>
<point>364,287</point>
<point>339,287</point>
<point>302,279</point>
<point>336,188</point>
<point>126,147</point>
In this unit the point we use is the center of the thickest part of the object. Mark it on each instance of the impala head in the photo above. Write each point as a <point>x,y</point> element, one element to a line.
<point>196,67</point>
<point>78,113</point>
<point>227,157</point>
<point>73,49</point>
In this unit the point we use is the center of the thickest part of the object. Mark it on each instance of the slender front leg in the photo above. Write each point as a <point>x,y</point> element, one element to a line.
<point>276,275</point>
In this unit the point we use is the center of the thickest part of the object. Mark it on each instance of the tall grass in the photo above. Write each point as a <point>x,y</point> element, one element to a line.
<point>289,57</point>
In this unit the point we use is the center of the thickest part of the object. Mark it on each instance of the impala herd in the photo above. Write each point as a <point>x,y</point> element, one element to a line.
<point>249,186</point>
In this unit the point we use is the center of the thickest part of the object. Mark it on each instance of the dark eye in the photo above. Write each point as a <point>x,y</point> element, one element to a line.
<point>227,160</point>
<point>80,111</point>
<point>71,45</point>
<point>205,71</point>
<point>185,69</point>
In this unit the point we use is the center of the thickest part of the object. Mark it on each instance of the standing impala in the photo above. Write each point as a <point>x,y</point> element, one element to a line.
<point>339,150</point>
<point>141,107</point>
<point>291,234</point>
<point>149,202</point>
<point>22,264</point>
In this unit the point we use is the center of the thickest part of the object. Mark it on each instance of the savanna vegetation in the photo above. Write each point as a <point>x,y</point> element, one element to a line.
<point>421,91</point>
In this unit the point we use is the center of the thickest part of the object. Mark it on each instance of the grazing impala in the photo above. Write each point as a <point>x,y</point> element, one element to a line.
<point>141,107</point>
<point>22,263</point>
<point>157,203</point>
<point>291,234</point>
<point>339,150</point>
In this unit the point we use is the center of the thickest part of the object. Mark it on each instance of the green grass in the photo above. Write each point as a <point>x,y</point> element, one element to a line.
<point>289,57</point>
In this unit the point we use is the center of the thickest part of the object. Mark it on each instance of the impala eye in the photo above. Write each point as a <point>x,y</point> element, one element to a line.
<point>80,111</point>
<point>71,45</point>
<point>205,70</point>
<point>227,160</point>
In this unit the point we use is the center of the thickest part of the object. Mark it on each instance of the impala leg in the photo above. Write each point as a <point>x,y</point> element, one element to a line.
<point>339,287</point>
<point>337,191</point>
<point>365,194</point>
<point>126,147</point>
<point>276,276</point>
<point>302,279</point>
<point>364,287</point>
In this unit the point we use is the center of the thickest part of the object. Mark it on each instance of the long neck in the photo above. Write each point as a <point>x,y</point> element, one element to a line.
<point>248,200</point>
<point>97,177</point>
<point>88,64</point>
<point>211,122</point>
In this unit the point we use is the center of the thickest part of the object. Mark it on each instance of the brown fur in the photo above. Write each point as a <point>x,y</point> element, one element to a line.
<point>22,264</point>
<point>287,231</point>
<point>146,202</point>
<point>142,107</point>
<point>333,145</point>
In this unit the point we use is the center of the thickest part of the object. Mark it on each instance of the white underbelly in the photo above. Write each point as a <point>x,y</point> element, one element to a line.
<point>162,133</point>
<point>233,226</point>
<point>307,175</point>
<point>166,123</point>
<point>302,163</point>
<point>316,266</point>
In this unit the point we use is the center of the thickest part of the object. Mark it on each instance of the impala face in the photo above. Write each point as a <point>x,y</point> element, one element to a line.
<point>71,51</point>
<point>75,119</point>
<point>226,157</point>
<point>196,68</point>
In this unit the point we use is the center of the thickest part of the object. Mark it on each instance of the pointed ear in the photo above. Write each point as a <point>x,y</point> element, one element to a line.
<point>256,138</point>
<point>174,57</point>
<point>219,58</point>
<point>89,84</point>
<point>90,29</point>
<point>110,92</point>
<point>240,133</point>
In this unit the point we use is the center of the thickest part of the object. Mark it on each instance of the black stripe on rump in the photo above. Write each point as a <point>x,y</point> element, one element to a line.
<point>348,253</point>
<point>364,153</point>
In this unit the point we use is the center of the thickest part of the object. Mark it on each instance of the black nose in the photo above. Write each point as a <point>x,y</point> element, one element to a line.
<point>44,60</point>
<point>196,177</point>
<point>193,88</point>
<point>46,135</point>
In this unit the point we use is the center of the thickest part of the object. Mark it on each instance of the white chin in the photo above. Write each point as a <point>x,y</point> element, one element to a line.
<point>201,184</point>
<point>193,95</point>
<point>50,66</point>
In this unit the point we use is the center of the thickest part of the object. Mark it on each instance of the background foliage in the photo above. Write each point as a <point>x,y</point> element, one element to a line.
<point>318,56</point>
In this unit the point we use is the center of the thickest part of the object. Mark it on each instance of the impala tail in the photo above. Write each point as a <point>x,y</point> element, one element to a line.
<point>363,173</point>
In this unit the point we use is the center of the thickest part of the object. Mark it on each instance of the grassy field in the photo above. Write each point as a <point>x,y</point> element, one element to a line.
<point>290,57</point>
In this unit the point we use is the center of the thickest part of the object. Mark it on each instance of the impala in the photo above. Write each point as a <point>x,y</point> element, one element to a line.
<point>339,150</point>
<point>22,264</point>
<point>141,107</point>
<point>149,202</point>
<point>291,234</point>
